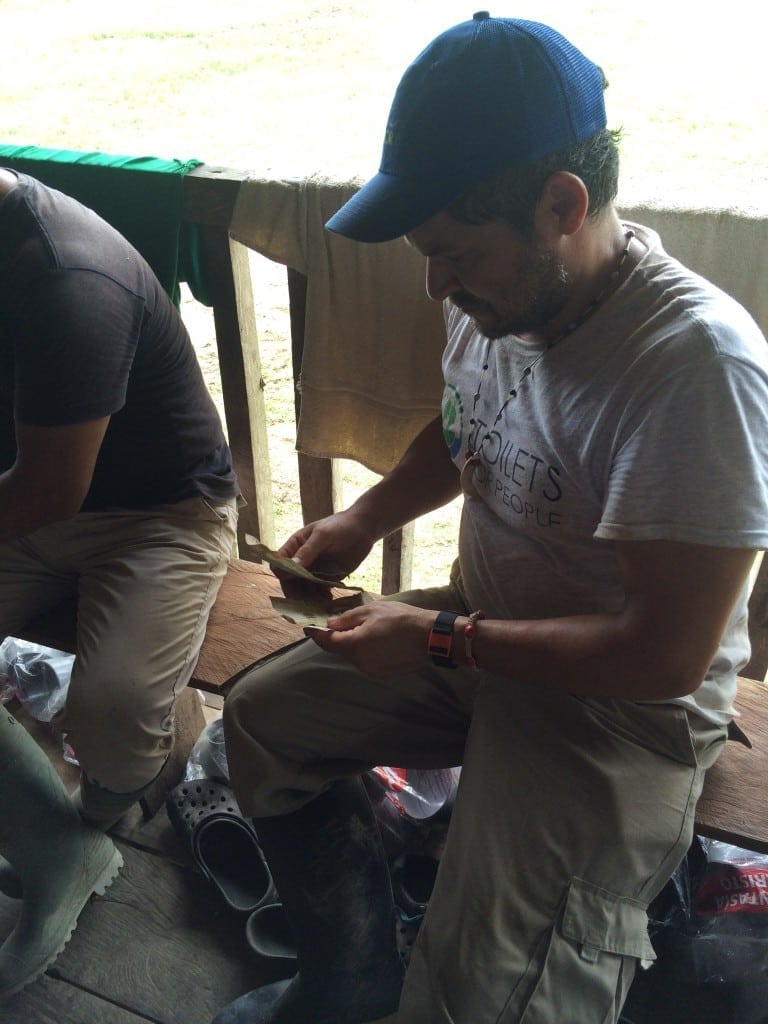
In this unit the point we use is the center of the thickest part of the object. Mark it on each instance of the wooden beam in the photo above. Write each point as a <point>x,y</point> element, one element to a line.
<point>242,384</point>
<point>732,806</point>
<point>320,483</point>
<point>397,560</point>
<point>758,621</point>
<point>210,194</point>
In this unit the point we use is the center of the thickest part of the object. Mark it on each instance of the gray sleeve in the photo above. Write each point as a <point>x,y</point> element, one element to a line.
<point>691,459</point>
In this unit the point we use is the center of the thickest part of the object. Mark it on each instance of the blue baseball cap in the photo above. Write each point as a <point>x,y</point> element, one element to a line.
<point>485,95</point>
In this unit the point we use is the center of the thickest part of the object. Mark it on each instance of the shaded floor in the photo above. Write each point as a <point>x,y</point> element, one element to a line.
<point>160,946</point>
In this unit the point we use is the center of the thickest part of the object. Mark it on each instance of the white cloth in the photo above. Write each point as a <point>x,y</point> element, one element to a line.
<point>648,422</point>
<point>370,375</point>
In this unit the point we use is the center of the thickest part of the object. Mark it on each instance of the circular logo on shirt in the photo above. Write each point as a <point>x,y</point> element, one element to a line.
<point>453,419</point>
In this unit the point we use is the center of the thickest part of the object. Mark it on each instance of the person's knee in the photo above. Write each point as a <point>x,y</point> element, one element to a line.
<point>258,710</point>
<point>268,701</point>
<point>121,743</point>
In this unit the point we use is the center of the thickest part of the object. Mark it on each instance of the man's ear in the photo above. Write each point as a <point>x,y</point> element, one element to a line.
<point>563,205</point>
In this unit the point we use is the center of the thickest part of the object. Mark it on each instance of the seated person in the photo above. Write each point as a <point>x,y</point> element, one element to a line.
<point>116,487</point>
<point>605,415</point>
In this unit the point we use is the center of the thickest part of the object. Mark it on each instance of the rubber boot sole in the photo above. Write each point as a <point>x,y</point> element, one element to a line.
<point>98,887</point>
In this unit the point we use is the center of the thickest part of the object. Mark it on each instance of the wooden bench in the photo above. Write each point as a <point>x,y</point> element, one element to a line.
<point>244,627</point>
<point>734,804</point>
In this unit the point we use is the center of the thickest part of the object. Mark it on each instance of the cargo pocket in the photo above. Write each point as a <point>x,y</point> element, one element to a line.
<point>588,965</point>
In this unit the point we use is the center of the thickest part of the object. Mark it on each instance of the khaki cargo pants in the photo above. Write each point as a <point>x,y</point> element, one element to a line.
<point>146,580</point>
<point>571,815</point>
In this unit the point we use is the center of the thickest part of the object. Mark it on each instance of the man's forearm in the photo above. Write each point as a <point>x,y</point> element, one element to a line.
<point>424,479</point>
<point>597,655</point>
<point>25,508</point>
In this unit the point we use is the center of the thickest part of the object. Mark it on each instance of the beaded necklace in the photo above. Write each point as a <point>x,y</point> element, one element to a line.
<point>473,457</point>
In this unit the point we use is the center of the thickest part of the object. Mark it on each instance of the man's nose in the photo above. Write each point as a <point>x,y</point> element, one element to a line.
<point>441,279</point>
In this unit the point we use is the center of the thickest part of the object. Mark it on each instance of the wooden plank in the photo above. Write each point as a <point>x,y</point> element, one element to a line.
<point>242,384</point>
<point>154,835</point>
<point>758,622</point>
<point>397,560</point>
<point>320,486</point>
<point>210,194</point>
<point>243,626</point>
<point>320,483</point>
<point>50,1001</point>
<point>162,944</point>
<point>734,804</point>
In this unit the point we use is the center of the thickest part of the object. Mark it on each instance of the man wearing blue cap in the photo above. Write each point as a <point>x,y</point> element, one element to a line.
<point>604,415</point>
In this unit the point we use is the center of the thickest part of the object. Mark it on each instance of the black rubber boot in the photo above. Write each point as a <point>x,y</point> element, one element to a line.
<point>331,873</point>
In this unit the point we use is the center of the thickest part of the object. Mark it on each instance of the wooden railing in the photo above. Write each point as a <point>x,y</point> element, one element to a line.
<point>729,248</point>
<point>210,194</point>
<point>209,199</point>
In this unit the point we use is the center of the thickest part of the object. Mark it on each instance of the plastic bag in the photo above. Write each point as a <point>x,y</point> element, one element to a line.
<point>208,758</point>
<point>37,676</point>
<point>709,928</point>
<point>405,800</point>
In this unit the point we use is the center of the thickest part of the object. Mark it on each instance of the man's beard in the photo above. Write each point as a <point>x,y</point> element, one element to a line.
<point>541,294</point>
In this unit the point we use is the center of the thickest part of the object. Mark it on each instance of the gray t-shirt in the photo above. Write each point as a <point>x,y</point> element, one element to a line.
<point>648,422</point>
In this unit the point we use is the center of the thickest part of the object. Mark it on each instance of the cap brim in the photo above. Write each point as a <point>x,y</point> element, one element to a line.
<point>387,207</point>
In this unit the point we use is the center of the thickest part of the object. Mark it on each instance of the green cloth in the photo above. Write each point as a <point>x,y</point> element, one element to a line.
<point>140,196</point>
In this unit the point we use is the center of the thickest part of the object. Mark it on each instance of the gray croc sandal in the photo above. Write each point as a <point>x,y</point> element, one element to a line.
<point>268,932</point>
<point>406,929</point>
<point>223,843</point>
<point>413,878</point>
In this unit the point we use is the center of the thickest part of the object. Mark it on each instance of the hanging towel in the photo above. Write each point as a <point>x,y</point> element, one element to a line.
<point>728,247</point>
<point>140,196</point>
<point>370,376</point>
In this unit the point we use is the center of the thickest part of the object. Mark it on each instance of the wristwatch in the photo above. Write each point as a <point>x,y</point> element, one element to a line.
<point>441,640</point>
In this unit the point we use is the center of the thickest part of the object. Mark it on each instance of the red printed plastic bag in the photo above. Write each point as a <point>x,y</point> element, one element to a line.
<point>735,882</point>
<point>406,799</point>
<point>709,928</point>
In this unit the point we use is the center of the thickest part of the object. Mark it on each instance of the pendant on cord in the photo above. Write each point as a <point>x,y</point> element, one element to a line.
<point>474,474</point>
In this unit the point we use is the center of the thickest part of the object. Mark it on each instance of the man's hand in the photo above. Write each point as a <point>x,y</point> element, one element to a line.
<point>383,639</point>
<point>331,547</point>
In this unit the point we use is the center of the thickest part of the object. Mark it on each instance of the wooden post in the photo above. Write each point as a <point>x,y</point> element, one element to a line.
<point>242,384</point>
<point>320,484</point>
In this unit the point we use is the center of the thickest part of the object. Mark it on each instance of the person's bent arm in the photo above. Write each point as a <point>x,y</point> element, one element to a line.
<point>424,479</point>
<point>679,598</point>
<point>51,476</point>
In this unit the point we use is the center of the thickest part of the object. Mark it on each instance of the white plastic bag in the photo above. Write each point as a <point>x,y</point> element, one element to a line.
<point>37,676</point>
